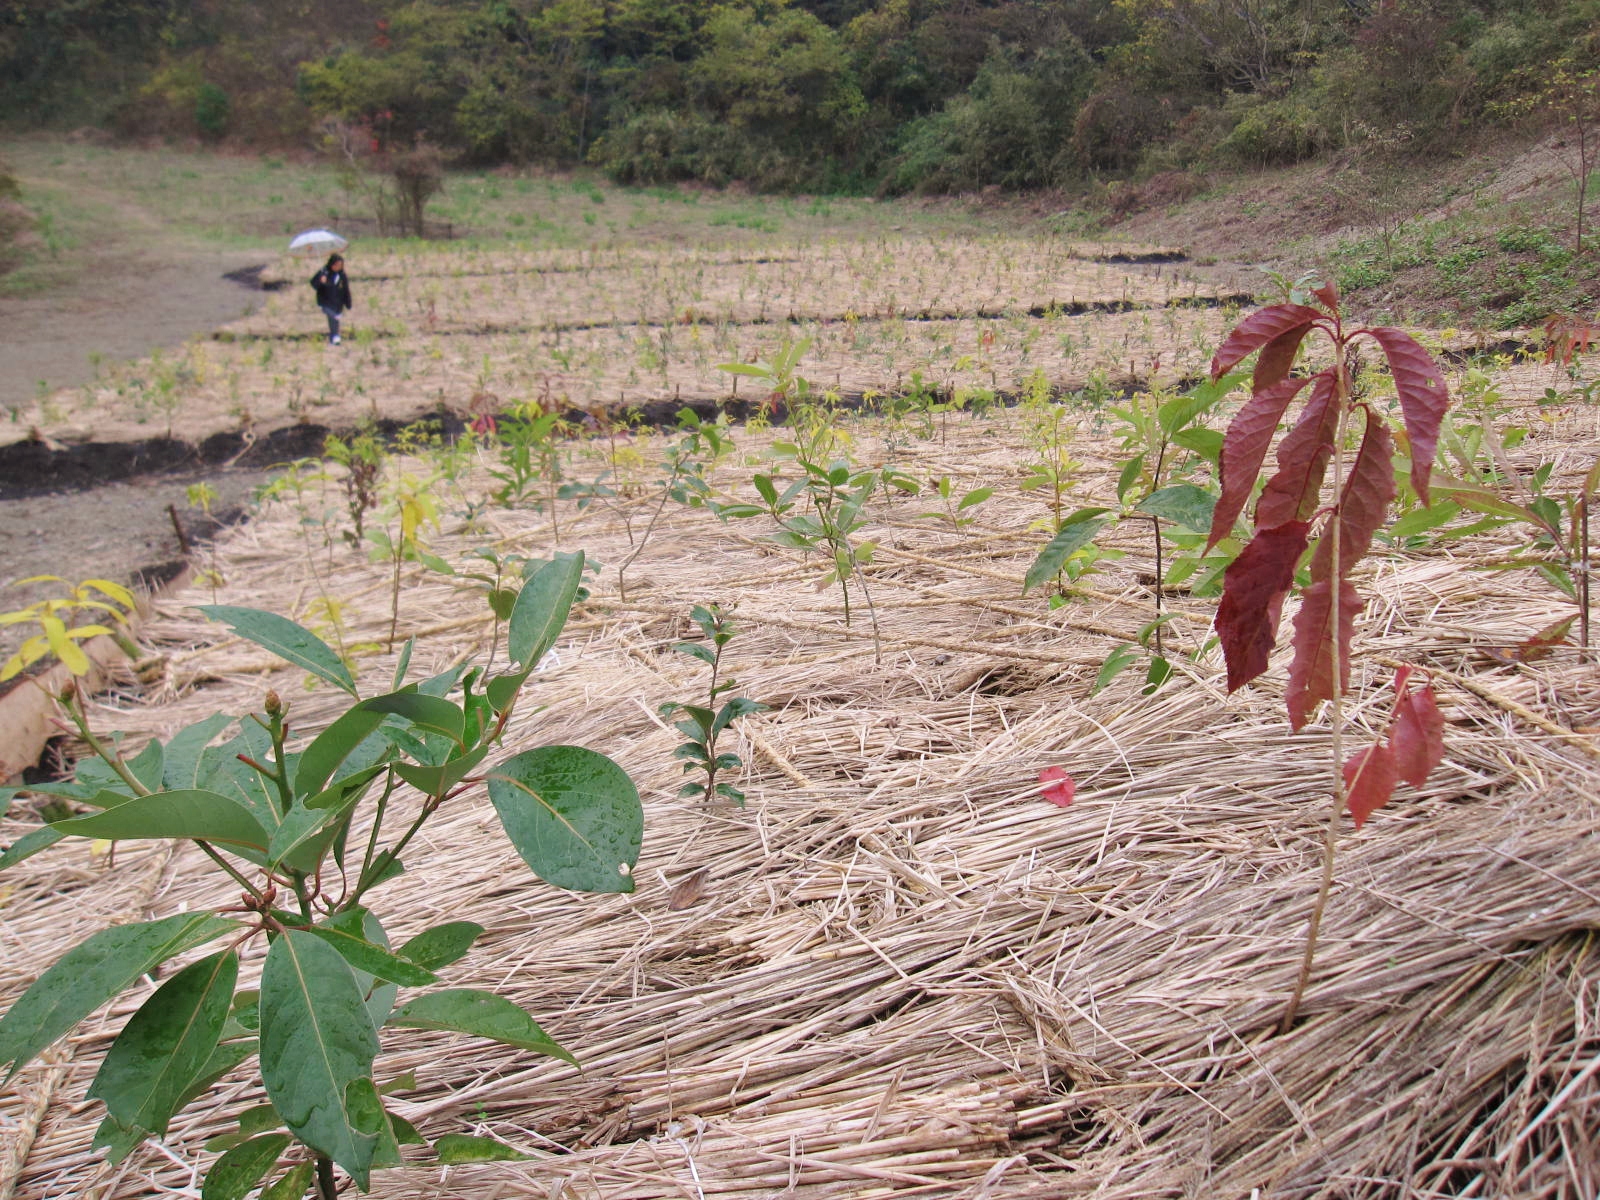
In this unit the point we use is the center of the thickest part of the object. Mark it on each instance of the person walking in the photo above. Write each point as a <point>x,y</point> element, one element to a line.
<point>332,286</point>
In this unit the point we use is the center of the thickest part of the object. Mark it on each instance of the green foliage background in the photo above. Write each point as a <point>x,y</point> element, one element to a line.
<point>841,95</point>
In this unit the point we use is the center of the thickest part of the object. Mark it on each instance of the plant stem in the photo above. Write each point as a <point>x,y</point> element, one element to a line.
<point>666,494</point>
<point>1336,700</point>
<point>377,826</point>
<point>280,770</point>
<point>73,705</point>
<point>229,868</point>
<point>327,1188</point>
<point>1583,574</point>
<point>394,597</point>
<point>383,860</point>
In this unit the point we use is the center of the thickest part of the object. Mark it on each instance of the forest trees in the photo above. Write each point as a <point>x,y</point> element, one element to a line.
<point>897,95</point>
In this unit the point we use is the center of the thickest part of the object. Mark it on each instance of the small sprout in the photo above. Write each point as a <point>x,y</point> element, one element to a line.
<point>704,724</point>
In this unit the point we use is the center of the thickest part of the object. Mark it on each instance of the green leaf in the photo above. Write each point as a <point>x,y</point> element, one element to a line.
<point>291,642</point>
<point>1183,504</point>
<point>406,1082</point>
<point>208,816</point>
<point>1118,661</point>
<point>542,607</point>
<point>224,771</point>
<point>309,829</point>
<point>1159,672</point>
<point>166,1043</point>
<point>1076,532</point>
<point>93,972</point>
<point>502,690</point>
<point>481,1014</point>
<point>29,844</point>
<point>236,1174</point>
<point>461,1148</point>
<point>405,1132</point>
<point>403,664</point>
<point>117,1140</point>
<point>425,712</point>
<point>435,781</point>
<point>1420,520</point>
<point>349,744</point>
<point>1177,413</point>
<point>975,496</point>
<point>262,1118</point>
<point>146,765</point>
<point>573,815</point>
<point>223,1059</point>
<point>1207,443</point>
<point>442,945</point>
<point>340,932</point>
<point>292,1184</point>
<point>316,1038</point>
<point>185,767</point>
<point>365,1108</point>
<point>739,706</point>
<point>1482,500</point>
<point>695,650</point>
<point>380,995</point>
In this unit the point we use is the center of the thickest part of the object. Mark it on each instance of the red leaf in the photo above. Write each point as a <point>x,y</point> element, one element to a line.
<point>1423,399</point>
<point>1416,735</point>
<point>1244,447</point>
<point>1369,780</point>
<point>1061,789</point>
<point>1292,494</point>
<point>1256,330</point>
<point>1328,293</point>
<point>1277,358</point>
<point>1311,673</point>
<point>1253,588</point>
<point>1543,643</point>
<point>1367,493</point>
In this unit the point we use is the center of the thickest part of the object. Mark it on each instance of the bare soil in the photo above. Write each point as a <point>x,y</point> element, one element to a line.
<point>109,517</point>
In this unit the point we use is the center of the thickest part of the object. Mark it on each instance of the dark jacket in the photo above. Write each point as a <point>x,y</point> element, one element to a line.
<point>333,290</point>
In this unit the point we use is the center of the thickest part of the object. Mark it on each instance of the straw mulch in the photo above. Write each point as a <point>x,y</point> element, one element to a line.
<point>906,973</point>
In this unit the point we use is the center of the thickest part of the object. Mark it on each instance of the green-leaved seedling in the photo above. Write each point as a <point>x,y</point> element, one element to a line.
<point>61,624</point>
<point>277,816</point>
<point>704,724</point>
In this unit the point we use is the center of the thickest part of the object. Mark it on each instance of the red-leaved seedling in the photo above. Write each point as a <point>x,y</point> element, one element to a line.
<point>1290,517</point>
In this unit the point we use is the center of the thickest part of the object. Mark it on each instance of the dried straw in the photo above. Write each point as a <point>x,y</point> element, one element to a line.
<point>907,973</point>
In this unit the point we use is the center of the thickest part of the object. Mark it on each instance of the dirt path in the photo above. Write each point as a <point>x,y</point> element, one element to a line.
<point>144,291</point>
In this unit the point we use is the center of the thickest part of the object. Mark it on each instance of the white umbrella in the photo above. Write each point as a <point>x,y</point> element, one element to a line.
<point>317,241</point>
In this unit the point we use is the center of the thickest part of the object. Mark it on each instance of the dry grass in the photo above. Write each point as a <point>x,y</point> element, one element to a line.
<point>611,329</point>
<point>909,974</point>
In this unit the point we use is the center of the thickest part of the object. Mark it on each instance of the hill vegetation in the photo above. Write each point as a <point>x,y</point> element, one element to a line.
<point>842,95</point>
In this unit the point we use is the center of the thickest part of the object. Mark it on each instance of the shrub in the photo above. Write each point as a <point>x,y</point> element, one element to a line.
<point>211,109</point>
<point>1275,133</point>
<point>1010,128</point>
<point>1115,124</point>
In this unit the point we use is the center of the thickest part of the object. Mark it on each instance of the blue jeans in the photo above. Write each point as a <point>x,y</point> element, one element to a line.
<point>333,322</point>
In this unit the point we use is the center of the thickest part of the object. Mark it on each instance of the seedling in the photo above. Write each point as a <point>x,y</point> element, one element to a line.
<point>362,457</point>
<point>59,633</point>
<point>414,506</point>
<point>1290,510</point>
<point>956,511</point>
<point>203,496</point>
<point>704,724</point>
<point>277,823</point>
